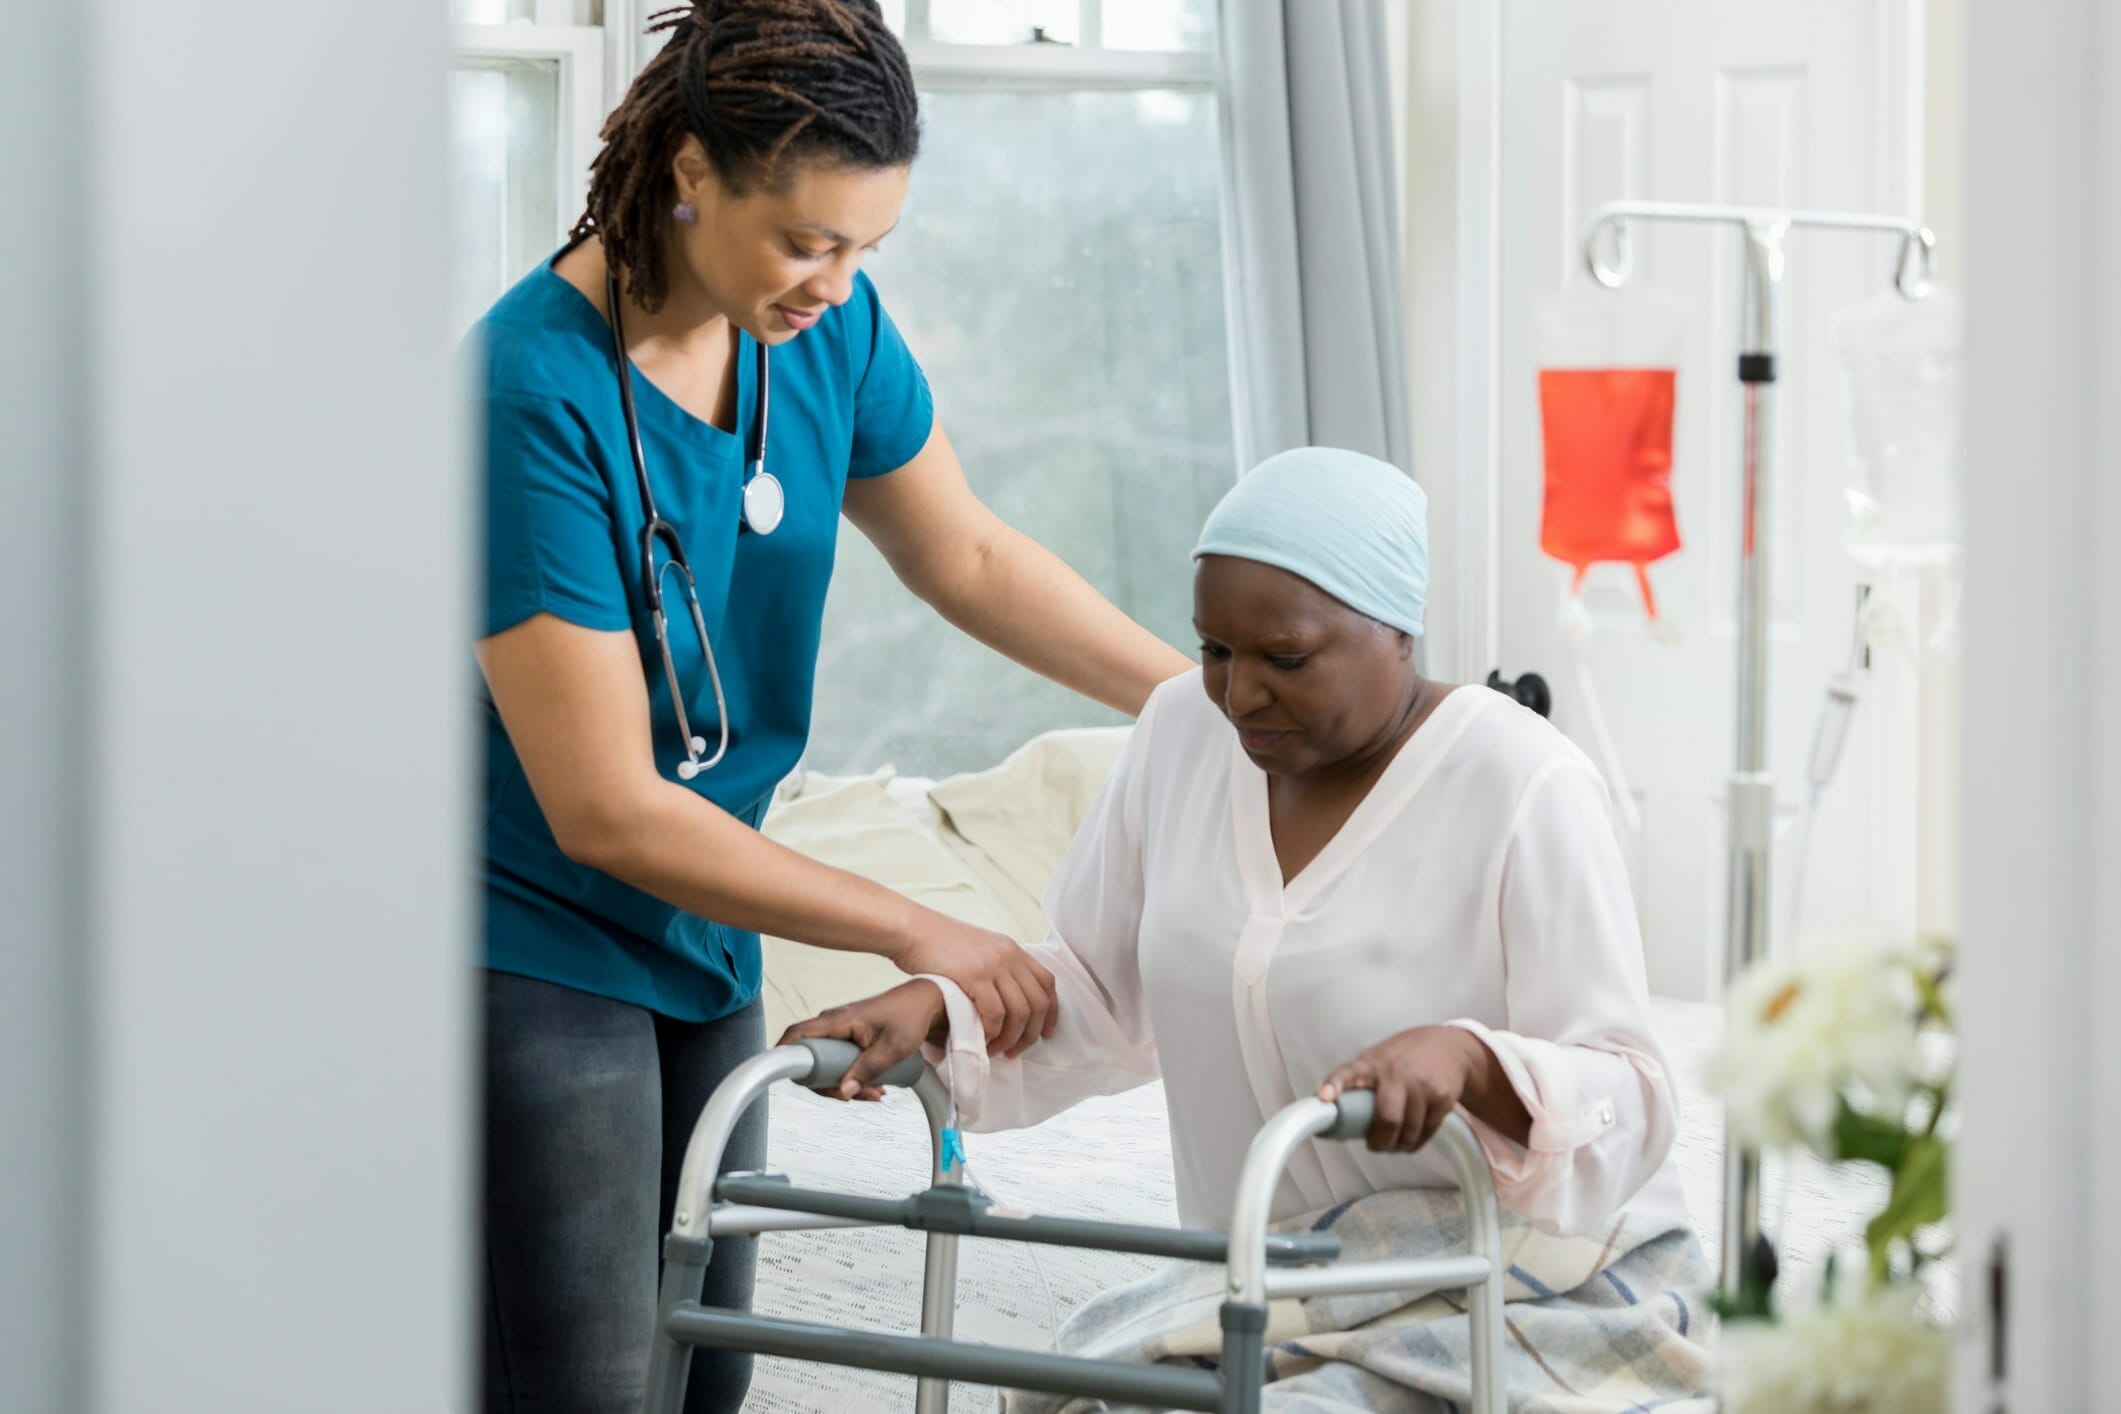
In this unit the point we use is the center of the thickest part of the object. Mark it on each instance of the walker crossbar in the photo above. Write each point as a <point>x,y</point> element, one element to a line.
<point>957,1210</point>
<point>947,1211</point>
<point>1157,1386</point>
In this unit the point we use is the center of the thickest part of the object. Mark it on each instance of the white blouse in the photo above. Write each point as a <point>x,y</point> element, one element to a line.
<point>1478,884</point>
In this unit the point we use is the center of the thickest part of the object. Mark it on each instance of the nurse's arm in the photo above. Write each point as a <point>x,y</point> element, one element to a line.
<point>1001,586</point>
<point>575,704</point>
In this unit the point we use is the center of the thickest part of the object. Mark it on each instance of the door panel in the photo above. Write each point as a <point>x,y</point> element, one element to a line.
<point>1690,101</point>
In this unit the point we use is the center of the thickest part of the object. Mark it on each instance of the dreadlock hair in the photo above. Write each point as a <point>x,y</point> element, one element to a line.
<point>764,85</point>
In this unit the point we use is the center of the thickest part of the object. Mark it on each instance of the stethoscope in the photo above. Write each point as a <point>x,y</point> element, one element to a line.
<point>764,505</point>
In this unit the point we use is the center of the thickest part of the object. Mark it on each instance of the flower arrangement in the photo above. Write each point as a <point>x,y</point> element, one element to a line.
<point>1843,1048</point>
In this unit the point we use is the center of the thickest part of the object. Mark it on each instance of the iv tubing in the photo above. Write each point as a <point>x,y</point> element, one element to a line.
<point>1576,628</point>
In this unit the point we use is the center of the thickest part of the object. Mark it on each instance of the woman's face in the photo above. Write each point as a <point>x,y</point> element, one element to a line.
<point>1309,683</point>
<point>774,260</point>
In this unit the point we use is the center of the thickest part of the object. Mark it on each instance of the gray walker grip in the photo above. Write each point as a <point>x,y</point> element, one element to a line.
<point>832,1059</point>
<point>1358,1110</point>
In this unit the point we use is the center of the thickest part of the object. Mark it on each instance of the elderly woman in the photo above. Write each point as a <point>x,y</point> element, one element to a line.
<point>1315,869</point>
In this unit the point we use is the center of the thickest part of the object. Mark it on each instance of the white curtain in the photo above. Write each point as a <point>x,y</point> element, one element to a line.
<point>1311,247</point>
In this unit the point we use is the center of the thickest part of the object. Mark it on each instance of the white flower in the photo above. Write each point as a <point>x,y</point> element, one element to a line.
<point>1877,1353</point>
<point>1803,1030</point>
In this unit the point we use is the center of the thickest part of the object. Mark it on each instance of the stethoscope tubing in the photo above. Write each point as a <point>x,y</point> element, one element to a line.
<point>655,529</point>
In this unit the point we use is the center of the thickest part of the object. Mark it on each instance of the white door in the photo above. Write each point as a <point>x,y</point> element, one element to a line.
<point>1796,103</point>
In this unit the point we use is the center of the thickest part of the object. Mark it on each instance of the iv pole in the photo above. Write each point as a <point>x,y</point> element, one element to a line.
<point>1752,786</point>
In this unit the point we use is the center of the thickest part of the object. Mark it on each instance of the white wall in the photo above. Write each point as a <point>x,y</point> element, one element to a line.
<point>1942,807</point>
<point>1447,61</point>
<point>238,753</point>
<point>2040,1158</point>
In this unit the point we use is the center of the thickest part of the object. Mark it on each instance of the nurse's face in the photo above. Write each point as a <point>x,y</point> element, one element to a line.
<point>774,259</point>
<point>1310,684</point>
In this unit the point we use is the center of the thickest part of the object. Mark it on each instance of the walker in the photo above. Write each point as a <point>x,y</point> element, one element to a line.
<point>1262,1265</point>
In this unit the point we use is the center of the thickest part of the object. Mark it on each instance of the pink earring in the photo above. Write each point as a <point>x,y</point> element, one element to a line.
<point>685,211</point>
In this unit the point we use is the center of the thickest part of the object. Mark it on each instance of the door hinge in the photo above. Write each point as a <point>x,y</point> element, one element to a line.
<point>1863,639</point>
<point>1999,1290</point>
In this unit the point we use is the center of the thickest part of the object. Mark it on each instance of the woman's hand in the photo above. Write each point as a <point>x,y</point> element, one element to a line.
<point>888,1028</point>
<point>1420,1076</point>
<point>1014,995</point>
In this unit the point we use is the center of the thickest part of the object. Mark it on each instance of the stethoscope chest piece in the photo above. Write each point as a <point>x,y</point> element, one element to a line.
<point>764,503</point>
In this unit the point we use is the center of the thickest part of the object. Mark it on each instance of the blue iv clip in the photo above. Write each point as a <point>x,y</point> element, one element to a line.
<point>953,1150</point>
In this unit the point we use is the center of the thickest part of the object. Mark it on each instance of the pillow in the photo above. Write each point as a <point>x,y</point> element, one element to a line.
<point>856,823</point>
<point>1012,823</point>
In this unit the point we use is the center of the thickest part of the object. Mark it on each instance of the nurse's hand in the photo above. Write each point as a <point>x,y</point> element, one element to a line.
<point>888,1028</point>
<point>1013,993</point>
<point>1420,1076</point>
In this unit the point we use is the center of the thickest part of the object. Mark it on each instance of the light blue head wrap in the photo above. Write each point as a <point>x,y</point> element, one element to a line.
<point>1350,524</point>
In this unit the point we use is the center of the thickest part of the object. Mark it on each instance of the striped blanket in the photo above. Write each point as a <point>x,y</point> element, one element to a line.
<point>1611,1321</point>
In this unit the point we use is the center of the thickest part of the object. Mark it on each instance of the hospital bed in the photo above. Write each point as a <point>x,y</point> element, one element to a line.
<point>980,847</point>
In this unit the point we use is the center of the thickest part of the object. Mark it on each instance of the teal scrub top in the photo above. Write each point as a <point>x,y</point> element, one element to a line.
<point>563,526</point>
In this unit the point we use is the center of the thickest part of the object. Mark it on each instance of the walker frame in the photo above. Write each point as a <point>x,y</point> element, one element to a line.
<point>1261,1265</point>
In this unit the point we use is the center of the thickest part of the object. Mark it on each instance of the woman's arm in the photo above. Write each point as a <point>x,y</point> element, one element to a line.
<point>1576,1045</point>
<point>1001,586</point>
<point>1102,1044</point>
<point>575,704</point>
<point>1420,1076</point>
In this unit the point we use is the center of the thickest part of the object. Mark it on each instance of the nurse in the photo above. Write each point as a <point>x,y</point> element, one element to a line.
<point>750,168</point>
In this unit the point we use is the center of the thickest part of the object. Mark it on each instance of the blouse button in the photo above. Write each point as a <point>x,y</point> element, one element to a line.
<point>1605,1112</point>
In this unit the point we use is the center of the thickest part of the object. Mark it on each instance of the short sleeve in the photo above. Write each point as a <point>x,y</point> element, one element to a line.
<point>549,519</point>
<point>893,410</point>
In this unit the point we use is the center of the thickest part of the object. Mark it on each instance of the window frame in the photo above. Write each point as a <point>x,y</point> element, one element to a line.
<point>1057,67</point>
<point>580,54</point>
<point>1031,65</point>
<point>598,61</point>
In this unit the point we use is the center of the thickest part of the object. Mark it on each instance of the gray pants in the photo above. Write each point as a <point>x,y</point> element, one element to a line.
<point>588,1106</point>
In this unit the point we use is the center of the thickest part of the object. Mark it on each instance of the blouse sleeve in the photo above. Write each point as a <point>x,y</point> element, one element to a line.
<point>1577,1046</point>
<point>1102,1043</point>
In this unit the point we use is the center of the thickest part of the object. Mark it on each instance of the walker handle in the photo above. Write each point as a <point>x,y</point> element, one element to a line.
<point>831,1060</point>
<point>1356,1110</point>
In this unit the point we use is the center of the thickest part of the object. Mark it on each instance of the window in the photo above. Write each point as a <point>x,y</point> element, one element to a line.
<point>526,98</point>
<point>1058,271</point>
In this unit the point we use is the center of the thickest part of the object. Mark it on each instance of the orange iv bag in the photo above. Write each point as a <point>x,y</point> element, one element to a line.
<point>1607,383</point>
<point>1608,434</point>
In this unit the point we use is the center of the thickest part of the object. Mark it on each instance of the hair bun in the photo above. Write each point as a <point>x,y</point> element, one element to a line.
<point>684,21</point>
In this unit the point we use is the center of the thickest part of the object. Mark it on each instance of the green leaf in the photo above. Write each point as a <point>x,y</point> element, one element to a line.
<point>1862,1136</point>
<point>1755,1298</point>
<point>1920,1197</point>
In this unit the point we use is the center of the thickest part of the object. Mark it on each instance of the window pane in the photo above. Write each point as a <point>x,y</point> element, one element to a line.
<point>1003,21</point>
<point>1059,273</point>
<point>492,12</point>
<point>1159,24</point>
<point>895,16</point>
<point>504,139</point>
